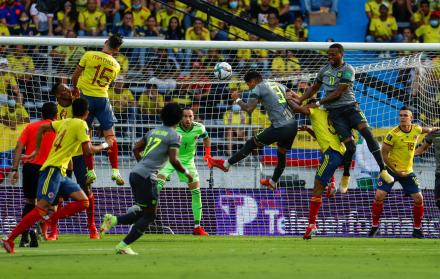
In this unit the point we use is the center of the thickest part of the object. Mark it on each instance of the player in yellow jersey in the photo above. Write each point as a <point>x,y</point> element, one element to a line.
<point>93,75</point>
<point>332,155</point>
<point>398,153</point>
<point>78,166</point>
<point>71,133</point>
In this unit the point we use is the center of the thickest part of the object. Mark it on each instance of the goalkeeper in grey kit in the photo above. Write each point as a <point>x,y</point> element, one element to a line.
<point>152,152</point>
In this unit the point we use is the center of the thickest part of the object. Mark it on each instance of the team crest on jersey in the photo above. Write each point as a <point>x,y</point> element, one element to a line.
<point>379,183</point>
<point>50,195</point>
<point>339,74</point>
<point>389,137</point>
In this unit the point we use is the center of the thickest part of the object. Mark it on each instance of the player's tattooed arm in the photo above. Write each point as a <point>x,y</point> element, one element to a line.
<point>310,91</point>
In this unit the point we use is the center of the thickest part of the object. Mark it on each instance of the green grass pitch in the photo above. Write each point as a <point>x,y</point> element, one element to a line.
<point>187,256</point>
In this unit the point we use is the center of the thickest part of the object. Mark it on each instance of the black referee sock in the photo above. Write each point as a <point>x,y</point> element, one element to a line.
<point>373,146</point>
<point>243,152</point>
<point>140,226</point>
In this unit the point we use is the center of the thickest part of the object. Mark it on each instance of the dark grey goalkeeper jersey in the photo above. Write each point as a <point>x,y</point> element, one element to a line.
<point>434,138</point>
<point>272,96</point>
<point>332,77</point>
<point>155,154</point>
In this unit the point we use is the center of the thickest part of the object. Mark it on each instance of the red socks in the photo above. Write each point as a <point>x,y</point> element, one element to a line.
<point>91,211</point>
<point>69,210</point>
<point>377,209</point>
<point>113,154</point>
<point>28,221</point>
<point>315,204</point>
<point>418,211</point>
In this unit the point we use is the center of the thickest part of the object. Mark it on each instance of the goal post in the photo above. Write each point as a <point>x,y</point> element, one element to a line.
<point>154,72</point>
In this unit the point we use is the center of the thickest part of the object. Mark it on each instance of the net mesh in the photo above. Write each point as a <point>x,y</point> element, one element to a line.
<point>233,203</point>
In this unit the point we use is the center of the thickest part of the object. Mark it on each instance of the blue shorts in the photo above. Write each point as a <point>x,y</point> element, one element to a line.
<point>330,161</point>
<point>102,110</point>
<point>410,183</point>
<point>51,182</point>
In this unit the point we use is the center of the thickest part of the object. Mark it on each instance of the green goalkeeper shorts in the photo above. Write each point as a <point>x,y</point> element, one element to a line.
<point>168,170</point>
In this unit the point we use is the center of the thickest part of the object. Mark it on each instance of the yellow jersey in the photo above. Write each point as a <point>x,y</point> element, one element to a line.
<point>70,23</point>
<point>64,112</point>
<point>70,134</point>
<point>123,62</point>
<point>374,8</point>
<point>292,35</point>
<point>4,31</point>
<point>6,79</point>
<point>419,17</point>
<point>429,33</point>
<point>325,133</point>
<point>383,28</point>
<point>100,70</point>
<point>277,30</point>
<point>96,19</point>
<point>163,18</point>
<point>403,147</point>
<point>139,16</point>
<point>192,36</point>
<point>23,64</point>
<point>149,105</point>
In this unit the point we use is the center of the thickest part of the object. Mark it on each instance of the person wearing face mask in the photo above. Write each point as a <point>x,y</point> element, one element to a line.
<point>232,117</point>
<point>140,13</point>
<point>430,33</point>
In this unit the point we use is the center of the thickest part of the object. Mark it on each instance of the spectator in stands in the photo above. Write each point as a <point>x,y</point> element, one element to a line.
<point>292,64</point>
<point>283,7</point>
<point>4,30</point>
<point>234,116</point>
<point>81,5</point>
<point>430,33</point>
<point>297,32</point>
<point>154,6</point>
<point>214,25</point>
<point>23,64</point>
<point>165,70</point>
<point>384,28</point>
<point>434,5</point>
<point>261,11</point>
<point>67,18</point>
<point>150,104</point>
<point>10,12</point>
<point>174,32</point>
<point>278,67</point>
<point>164,16</point>
<point>422,15</point>
<point>320,5</point>
<point>43,21</point>
<point>151,29</point>
<point>111,10</point>
<point>196,32</point>
<point>8,82</point>
<point>200,88</point>
<point>67,57</point>
<point>25,28</point>
<point>140,12</point>
<point>402,13</point>
<point>123,103</point>
<point>259,120</point>
<point>372,8</point>
<point>126,28</point>
<point>254,58</point>
<point>123,62</point>
<point>273,24</point>
<point>408,36</point>
<point>13,114</point>
<point>92,21</point>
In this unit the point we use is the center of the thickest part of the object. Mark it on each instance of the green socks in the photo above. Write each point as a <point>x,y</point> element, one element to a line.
<point>196,199</point>
<point>159,185</point>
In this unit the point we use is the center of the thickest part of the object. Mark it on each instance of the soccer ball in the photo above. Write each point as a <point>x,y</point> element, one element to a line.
<point>222,71</point>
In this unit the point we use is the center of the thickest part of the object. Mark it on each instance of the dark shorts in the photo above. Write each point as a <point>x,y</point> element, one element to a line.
<point>410,183</point>
<point>51,183</point>
<point>31,173</point>
<point>330,161</point>
<point>102,110</point>
<point>346,118</point>
<point>144,190</point>
<point>283,136</point>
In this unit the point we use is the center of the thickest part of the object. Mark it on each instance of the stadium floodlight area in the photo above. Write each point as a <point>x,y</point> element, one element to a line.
<point>388,76</point>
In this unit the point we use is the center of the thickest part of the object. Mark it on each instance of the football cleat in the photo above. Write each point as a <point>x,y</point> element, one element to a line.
<point>90,177</point>
<point>268,183</point>
<point>117,177</point>
<point>53,233</point>
<point>108,222</point>
<point>218,163</point>
<point>310,231</point>
<point>200,231</point>
<point>374,231</point>
<point>93,232</point>
<point>417,233</point>
<point>123,249</point>
<point>8,245</point>
<point>24,241</point>
<point>386,177</point>
<point>331,191</point>
<point>345,181</point>
<point>34,239</point>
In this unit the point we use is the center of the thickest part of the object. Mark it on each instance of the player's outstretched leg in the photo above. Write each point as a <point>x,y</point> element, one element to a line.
<point>247,148</point>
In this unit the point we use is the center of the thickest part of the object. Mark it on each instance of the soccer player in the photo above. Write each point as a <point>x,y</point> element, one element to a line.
<point>398,153</point>
<point>93,75</point>
<point>433,138</point>
<point>283,129</point>
<point>26,143</point>
<point>340,102</point>
<point>152,152</point>
<point>64,103</point>
<point>71,133</point>
<point>332,150</point>
<point>190,131</point>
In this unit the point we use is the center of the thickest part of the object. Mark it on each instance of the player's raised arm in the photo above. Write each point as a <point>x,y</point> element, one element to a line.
<point>75,77</point>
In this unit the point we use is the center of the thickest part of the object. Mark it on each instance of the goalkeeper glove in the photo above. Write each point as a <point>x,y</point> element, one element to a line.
<point>207,156</point>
